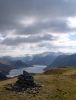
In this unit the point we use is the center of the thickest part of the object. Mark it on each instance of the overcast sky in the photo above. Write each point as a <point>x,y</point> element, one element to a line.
<point>36,26</point>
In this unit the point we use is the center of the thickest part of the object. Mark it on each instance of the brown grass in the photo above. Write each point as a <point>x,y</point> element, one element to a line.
<point>55,87</point>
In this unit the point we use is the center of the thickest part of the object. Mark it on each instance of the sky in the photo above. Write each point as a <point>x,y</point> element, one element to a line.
<point>37,26</point>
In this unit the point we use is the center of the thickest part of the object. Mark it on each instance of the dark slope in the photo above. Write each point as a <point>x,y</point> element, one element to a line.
<point>5,68</point>
<point>43,58</point>
<point>18,64</point>
<point>63,60</point>
<point>2,76</point>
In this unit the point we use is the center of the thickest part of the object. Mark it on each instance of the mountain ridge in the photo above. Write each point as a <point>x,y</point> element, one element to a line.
<point>63,60</point>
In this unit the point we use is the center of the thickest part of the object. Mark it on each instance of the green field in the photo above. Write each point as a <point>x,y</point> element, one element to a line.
<point>58,84</point>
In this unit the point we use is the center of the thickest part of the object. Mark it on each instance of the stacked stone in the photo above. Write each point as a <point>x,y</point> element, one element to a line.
<point>25,82</point>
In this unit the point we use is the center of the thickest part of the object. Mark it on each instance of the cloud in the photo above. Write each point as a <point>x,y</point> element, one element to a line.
<point>38,25</point>
<point>13,12</point>
<point>30,39</point>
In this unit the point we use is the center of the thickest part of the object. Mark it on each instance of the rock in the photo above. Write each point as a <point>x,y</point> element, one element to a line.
<point>25,82</point>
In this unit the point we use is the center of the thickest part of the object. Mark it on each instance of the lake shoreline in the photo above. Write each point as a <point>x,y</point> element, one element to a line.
<point>35,70</point>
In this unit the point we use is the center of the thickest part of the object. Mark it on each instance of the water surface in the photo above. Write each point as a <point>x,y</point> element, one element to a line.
<point>35,69</point>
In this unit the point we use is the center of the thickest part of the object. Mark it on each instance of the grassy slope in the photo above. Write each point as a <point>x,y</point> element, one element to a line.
<point>56,86</point>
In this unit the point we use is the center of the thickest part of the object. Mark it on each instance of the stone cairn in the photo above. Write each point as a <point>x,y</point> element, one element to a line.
<point>25,82</point>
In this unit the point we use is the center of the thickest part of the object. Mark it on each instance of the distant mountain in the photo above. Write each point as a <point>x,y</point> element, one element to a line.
<point>17,61</point>
<point>41,59</point>
<point>18,64</point>
<point>45,58</point>
<point>7,65</point>
<point>5,68</point>
<point>63,61</point>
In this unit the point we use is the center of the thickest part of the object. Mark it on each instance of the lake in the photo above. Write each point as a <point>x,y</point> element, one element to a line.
<point>35,69</point>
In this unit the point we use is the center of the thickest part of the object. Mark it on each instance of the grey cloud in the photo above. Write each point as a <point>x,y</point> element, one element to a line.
<point>53,26</point>
<point>11,10</point>
<point>55,11</point>
<point>31,39</point>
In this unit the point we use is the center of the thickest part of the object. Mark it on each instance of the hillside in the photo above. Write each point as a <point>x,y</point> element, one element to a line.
<point>56,86</point>
<point>45,58</point>
<point>63,60</point>
<point>5,67</point>
<point>2,76</point>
